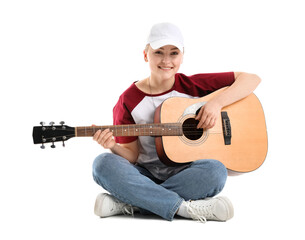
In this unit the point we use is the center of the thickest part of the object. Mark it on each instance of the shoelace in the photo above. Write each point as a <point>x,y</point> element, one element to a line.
<point>127,210</point>
<point>200,213</point>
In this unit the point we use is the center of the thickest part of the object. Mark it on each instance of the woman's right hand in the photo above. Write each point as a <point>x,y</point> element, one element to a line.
<point>105,138</point>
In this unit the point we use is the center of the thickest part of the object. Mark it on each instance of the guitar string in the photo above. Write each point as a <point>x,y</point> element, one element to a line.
<point>189,133</point>
<point>146,127</point>
<point>188,128</point>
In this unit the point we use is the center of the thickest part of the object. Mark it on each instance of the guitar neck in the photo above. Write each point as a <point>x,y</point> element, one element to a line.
<point>154,129</point>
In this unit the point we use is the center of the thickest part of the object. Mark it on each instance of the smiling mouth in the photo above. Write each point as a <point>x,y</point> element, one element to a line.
<point>165,68</point>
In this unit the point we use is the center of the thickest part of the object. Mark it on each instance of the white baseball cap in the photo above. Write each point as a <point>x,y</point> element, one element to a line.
<point>162,34</point>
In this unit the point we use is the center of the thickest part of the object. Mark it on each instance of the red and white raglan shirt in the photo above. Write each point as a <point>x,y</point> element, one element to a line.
<point>137,107</point>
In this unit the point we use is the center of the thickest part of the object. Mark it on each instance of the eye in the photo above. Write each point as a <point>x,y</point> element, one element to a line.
<point>158,52</point>
<point>175,53</point>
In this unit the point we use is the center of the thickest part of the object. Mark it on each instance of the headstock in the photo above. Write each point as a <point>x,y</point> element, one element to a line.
<point>52,133</point>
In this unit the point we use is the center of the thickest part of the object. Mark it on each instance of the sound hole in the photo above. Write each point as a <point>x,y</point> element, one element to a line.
<point>190,130</point>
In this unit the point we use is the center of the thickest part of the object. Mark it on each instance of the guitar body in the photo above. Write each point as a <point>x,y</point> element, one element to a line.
<point>246,146</point>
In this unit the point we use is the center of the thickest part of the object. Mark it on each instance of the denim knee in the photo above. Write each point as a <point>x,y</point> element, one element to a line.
<point>219,174</point>
<point>100,165</point>
<point>216,174</point>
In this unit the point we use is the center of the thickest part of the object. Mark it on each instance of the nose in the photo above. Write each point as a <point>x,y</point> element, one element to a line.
<point>166,59</point>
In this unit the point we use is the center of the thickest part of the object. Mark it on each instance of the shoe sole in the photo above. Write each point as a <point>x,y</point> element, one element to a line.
<point>98,204</point>
<point>229,207</point>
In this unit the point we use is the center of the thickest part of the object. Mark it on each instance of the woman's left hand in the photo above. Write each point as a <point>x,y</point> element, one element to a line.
<point>208,115</point>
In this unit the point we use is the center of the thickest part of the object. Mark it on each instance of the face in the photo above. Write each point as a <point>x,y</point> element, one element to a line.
<point>164,62</point>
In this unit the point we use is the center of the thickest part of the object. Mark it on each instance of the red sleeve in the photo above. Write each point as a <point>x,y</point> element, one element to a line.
<point>121,116</point>
<point>200,85</point>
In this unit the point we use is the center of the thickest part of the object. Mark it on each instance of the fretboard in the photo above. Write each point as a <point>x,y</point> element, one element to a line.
<point>154,129</point>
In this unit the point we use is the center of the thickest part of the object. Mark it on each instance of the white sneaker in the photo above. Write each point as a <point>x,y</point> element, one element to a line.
<point>107,205</point>
<point>217,209</point>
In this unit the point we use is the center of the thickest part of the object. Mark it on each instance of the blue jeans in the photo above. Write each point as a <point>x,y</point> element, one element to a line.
<point>136,186</point>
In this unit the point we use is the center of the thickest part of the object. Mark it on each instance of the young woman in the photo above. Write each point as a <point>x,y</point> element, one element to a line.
<point>132,173</point>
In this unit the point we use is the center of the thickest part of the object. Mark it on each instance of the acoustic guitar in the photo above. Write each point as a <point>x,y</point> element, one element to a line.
<point>238,140</point>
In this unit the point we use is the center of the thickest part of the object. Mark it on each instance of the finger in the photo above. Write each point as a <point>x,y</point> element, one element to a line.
<point>108,142</point>
<point>213,123</point>
<point>202,121</point>
<point>101,136</point>
<point>108,136</point>
<point>96,135</point>
<point>199,115</point>
<point>107,139</point>
<point>104,136</point>
<point>208,124</point>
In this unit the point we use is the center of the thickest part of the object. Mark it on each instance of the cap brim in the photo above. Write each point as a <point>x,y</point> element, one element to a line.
<point>164,42</point>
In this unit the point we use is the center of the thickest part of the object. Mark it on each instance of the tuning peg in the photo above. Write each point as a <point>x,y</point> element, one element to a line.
<point>53,145</point>
<point>42,146</point>
<point>63,143</point>
<point>42,124</point>
<point>52,123</point>
<point>62,124</point>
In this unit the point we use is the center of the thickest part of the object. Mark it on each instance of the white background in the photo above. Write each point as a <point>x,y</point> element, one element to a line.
<point>70,60</point>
